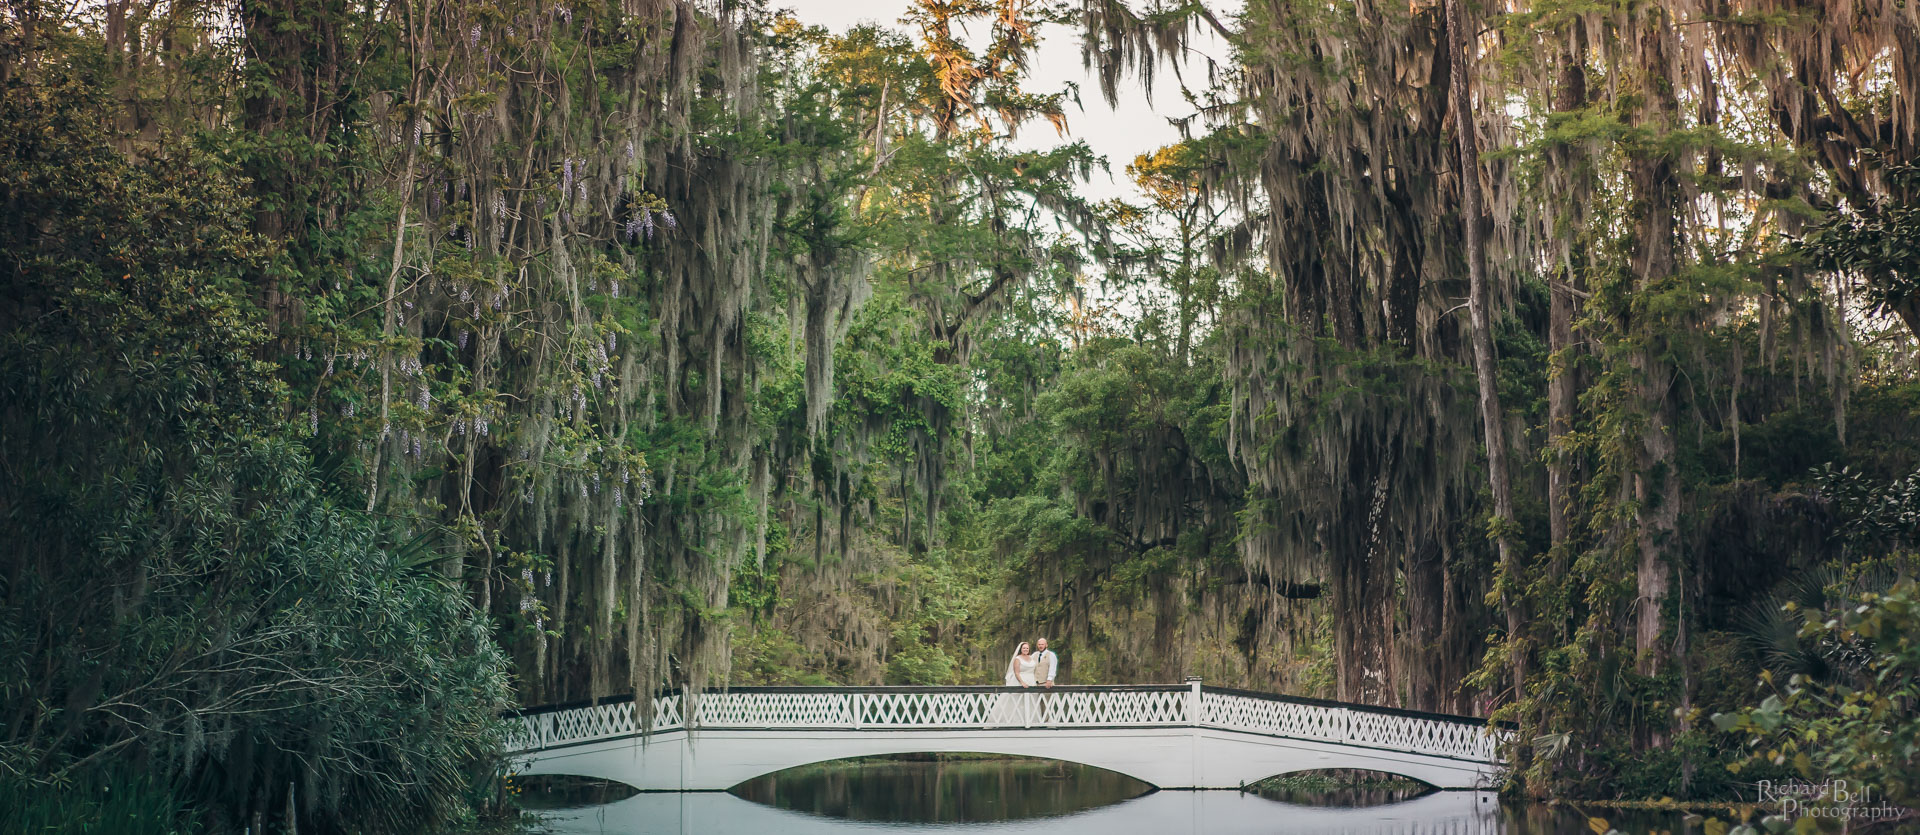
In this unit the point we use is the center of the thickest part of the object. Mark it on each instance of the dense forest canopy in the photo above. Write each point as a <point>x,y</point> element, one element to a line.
<point>370,368</point>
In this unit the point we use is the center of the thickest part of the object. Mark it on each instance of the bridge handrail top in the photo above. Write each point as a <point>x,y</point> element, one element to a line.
<point>1355,706</point>
<point>627,698</point>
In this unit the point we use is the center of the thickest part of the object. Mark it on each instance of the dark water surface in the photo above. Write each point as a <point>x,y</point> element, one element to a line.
<point>1039,796</point>
<point>942,791</point>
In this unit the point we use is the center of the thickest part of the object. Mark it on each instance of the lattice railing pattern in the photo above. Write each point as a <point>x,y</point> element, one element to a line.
<point>940,710</point>
<point>1130,707</point>
<point>1274,717</point>
<point>1427,736</point>
<point>985,707</point>
<point>585,724</point>
<point>824,709</point>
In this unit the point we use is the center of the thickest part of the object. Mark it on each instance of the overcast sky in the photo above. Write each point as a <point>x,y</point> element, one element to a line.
<point>1118,133</point>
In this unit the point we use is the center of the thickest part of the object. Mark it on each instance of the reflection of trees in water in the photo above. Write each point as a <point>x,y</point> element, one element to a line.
<point>941,789</point>
<point>559,791</point>
<point>1341,787</point>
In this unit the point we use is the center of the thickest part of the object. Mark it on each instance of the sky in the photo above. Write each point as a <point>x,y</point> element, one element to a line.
<point>1118,133</point>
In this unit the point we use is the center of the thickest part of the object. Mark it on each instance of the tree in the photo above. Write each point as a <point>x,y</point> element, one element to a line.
<point>197,601</point>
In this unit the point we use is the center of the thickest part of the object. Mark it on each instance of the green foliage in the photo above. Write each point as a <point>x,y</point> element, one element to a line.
<point>192,600</point>
<point>694,334</point>
<point>1880,243</point>
<point>1862,726</point>
<point>110,803</point>
<point>1876,517</point>
<point>917,662</point>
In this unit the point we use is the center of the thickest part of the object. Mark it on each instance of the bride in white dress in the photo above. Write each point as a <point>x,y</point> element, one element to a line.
<point>1016,708</point>
<point>1020,669</point>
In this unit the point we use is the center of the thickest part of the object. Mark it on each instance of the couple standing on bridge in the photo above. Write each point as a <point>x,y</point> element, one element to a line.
<point>1029,668</point>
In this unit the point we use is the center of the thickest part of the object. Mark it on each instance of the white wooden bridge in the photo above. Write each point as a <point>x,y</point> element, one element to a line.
<point>1169,736</point>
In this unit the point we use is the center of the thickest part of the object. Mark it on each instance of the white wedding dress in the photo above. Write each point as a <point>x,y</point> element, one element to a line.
<point>1020,672</point>
<point>1016,708</point>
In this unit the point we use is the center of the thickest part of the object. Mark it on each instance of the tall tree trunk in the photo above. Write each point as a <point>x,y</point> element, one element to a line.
<point>1363,587</point>
<point>1479,309</point>
<point>1656,488</point>
<point>1655,211</point>
<point>1428,646</point>
<point>1563,384</point>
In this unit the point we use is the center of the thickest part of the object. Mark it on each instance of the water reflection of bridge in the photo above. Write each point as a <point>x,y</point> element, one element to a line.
<point>1215,813</point>
<point>1169,736</point>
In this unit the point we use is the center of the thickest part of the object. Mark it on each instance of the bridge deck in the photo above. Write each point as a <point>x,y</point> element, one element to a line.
<point>1223,725</point>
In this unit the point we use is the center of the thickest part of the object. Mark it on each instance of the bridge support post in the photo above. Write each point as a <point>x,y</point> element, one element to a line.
<point>1193,723</point>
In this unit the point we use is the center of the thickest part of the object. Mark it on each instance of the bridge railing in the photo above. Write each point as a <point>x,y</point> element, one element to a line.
<point>1415,731</point>
<point>888,708</point>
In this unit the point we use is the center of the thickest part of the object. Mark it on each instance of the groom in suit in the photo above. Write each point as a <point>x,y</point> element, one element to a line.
<point>1047,665</point>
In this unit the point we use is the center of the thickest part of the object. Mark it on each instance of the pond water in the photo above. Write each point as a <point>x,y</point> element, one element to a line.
<point>998,796</point>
